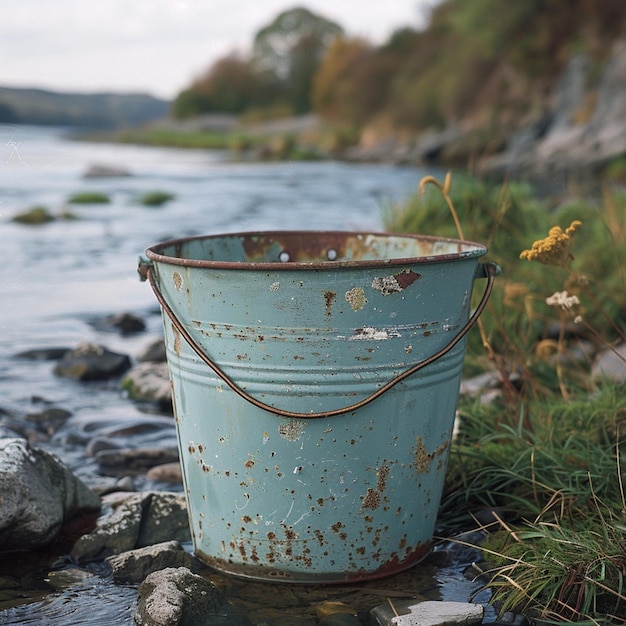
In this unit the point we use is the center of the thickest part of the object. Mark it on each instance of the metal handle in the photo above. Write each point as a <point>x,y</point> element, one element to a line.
<point>488,270</point>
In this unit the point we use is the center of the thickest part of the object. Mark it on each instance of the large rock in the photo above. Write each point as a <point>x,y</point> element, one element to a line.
<point>38,495</point>
<point>135,521</point>
<point>177,596</point>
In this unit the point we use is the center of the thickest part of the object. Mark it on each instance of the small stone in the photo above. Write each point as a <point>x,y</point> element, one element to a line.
<point>133,461</point>
<point>154,353</point>
<point>611,364</point>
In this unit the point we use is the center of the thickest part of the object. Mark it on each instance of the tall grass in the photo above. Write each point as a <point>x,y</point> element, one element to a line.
<point>544,459</point>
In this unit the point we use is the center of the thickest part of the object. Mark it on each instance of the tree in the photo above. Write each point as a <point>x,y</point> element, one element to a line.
<point>289,51</point>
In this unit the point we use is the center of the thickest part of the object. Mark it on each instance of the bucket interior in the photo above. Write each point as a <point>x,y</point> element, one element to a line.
<point>302,248</point>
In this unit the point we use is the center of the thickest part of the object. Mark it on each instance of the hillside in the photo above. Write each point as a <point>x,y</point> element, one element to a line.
<point>85,110</point>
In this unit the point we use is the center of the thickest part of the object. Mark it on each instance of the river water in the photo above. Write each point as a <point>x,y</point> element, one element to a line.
<point>58,279</point>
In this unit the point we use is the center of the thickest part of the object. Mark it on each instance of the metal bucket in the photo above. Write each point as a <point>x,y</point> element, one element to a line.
<point>315,380</point>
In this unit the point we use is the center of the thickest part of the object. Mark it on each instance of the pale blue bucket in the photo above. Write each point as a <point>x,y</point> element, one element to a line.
<point>315,379</point>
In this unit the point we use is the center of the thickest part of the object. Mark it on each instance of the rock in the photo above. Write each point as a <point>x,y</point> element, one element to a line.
<point>133,566</point>
<point>125,323</point>
<point>92,362</point>
<point>39,496</point>
<point>43,354</point>
<point>166,473</point>
<point>49,420</point>
<point>149,382</point>
<point>177,596</point>
<point>427,613</point>
<point>133,461</point>
<point>154,353</point>
<point>105,171</point>
<point>136,520</point>
<point>611,364</point>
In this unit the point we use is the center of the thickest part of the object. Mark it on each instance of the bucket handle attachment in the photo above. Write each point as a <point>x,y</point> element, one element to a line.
<point>487,270</point>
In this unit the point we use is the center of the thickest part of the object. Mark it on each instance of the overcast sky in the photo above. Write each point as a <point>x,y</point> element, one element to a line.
<point>158,46</point>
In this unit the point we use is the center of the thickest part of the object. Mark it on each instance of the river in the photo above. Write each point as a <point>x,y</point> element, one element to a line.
<point>60,278</point>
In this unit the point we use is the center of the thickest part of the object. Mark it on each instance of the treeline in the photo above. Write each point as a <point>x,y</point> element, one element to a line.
<point>486,62</point>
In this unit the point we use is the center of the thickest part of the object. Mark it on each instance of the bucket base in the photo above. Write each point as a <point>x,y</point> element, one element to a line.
<point>265,574</point>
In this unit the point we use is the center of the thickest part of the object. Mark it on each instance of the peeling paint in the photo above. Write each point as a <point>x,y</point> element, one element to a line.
<point>423,459</point>
<point>176,339</point>
<point>378,334</point>
<point>275,286</point>
<point>395,283</point>
<point>356,298</point>
<point>292,430</point>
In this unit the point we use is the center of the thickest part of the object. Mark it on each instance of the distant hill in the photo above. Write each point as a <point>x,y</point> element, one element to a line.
<point>85,110</point>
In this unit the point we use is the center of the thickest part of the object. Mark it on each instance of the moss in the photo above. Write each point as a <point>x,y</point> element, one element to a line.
<point>35,215</point>
<point>89,197</point>
<point>155,198</point>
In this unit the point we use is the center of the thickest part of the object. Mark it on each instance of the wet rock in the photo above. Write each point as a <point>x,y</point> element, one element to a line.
<point>149,382</point>
<point>166,473</point>
<point>611,364</point>
<point>135,521</point>
<point>92,362</point>
<point>133,566</point>
<point>154,353</point>
<point>177,596</point>
<point>428,613</point>
<point>125,323</point>
<point>133,461</point>
<point>105,171</point>
<point>39,496</point>
<point>43,354</point>
<point>49,420</point>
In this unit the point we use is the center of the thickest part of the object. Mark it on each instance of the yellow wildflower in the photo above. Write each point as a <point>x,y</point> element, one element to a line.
<point>554,249</point>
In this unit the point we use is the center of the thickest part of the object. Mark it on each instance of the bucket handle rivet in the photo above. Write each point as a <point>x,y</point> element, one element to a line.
<point>487,270</point>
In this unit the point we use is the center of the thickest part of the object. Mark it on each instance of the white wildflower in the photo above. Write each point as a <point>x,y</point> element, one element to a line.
<point>563,300</point>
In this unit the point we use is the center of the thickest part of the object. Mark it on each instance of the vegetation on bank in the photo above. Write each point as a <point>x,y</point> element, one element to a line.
<point>484,65</point>
<point>545,457</point>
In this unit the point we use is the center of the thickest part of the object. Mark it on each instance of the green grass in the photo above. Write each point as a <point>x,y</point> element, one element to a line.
<point>545,456</point>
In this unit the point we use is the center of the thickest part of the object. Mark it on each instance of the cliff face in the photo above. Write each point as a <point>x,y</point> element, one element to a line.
<point>583,130</point>
<point>576,126</point>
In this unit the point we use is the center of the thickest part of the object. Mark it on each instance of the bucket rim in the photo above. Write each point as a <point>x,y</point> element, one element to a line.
<point>155,251</point>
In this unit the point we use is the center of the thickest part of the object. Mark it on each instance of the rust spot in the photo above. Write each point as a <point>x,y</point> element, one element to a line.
<point>320,501</point>
<point>246,519</point>
<point>381,475</point>
<point>178,281</point>
<point>176,340</point>
<point>271,536</point>
<point>319,535</point>
<point>423,459</point>
<point>191,448</point>
<point>249,463</point>
<point>336,527</point>
<point>329,298</point>
<point>371,499</point>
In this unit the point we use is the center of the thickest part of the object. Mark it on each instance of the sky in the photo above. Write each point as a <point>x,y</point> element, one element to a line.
<point>159,46</point>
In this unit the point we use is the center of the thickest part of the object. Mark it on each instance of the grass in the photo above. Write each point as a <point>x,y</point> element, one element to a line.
<point>544,459</point>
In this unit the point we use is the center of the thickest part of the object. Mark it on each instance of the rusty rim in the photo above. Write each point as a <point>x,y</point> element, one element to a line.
<point>302,242</point>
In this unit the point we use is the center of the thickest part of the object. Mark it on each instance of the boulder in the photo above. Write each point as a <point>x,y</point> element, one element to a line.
<point>39,496</point>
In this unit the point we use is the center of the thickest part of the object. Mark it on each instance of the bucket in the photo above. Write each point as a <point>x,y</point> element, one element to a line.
<point>315,378</point>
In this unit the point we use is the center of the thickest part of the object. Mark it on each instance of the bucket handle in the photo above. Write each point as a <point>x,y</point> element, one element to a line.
<point>487,270</point>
